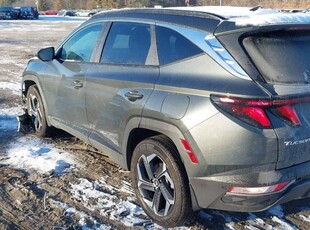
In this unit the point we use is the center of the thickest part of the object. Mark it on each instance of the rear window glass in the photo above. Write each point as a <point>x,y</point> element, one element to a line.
<point>281,57</point>
<point>127,43</point>
<point>173,47</point>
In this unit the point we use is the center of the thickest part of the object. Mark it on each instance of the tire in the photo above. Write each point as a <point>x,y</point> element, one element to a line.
<point>160,182</point>
<point>36,112</point>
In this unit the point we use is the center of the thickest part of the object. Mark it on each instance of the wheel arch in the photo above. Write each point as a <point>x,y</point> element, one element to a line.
<point>147,128</point>
<point>29,80</point>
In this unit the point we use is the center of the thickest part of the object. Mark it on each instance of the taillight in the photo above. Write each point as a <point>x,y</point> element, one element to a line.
<point>259,190</point>
<point>254,111</point>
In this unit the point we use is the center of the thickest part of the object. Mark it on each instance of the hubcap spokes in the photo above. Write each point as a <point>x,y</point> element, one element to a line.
<point>155,184</point>
<point>35,112</point>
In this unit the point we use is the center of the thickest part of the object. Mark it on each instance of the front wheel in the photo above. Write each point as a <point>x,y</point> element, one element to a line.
<point>36,112</point>
<point>160,182</point>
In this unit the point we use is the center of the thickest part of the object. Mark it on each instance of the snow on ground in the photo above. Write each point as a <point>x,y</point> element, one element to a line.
<point>107,203</point>
<point>13,86</point>
<point>32,153</point>
<point>84,218</point>
<point>305,218</point>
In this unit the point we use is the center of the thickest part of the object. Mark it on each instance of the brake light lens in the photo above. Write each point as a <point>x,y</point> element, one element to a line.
<point>287,113</point>
<point>254,111</point>
<point>259,190</point>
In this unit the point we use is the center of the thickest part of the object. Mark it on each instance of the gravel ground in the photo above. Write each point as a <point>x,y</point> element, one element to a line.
<point>61,183</point>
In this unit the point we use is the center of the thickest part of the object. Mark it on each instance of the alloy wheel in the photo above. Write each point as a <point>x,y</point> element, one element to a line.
<point>155,184</point>
<point>35,111</point>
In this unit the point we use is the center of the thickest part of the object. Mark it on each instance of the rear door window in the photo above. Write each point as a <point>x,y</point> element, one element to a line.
<point>281,57</point>
<point>127,43</point>
<point>173,47</point>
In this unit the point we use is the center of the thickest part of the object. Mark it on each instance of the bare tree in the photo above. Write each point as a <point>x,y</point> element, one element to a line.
<point>57,5</point>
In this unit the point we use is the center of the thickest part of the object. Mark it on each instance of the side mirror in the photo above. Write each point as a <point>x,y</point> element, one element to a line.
<point>46,54</point>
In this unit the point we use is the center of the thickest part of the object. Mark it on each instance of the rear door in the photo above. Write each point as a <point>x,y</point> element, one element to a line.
<point>282,58</point>
<point>118,87</point>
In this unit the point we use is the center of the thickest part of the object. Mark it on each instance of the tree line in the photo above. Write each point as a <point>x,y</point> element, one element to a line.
<point>91,4</point>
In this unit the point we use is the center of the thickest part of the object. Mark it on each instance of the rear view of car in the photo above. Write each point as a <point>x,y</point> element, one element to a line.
<point>7,12</point>
<point>28,12</point>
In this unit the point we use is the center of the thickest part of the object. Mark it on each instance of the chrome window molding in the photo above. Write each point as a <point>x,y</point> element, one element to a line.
<point>210,45</point>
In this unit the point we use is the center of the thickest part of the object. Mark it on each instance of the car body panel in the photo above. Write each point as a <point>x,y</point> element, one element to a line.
<point>108,108</point>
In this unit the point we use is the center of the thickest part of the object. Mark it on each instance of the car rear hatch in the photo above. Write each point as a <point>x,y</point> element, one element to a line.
<point>280,56</point>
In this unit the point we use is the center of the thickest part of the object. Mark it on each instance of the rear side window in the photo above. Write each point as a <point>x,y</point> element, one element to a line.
<point>82,44</point>
<point>173,46</point>
<point>281,57</point>
<point>127,43</point>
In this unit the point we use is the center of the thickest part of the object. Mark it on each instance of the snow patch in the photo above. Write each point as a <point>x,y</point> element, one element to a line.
<point>13,86</point>
<point>84,218</point>
<point>273,19</point>
<point>101,197</point>
<point>279,218</point>
<point>283,224</point>
<point>126,188</point>
<point>29,152</point>
<point>253,222</point>
<point>12,111</point>
<point>305,218</point>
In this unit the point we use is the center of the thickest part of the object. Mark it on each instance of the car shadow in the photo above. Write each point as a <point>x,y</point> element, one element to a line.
<point>273,217</point>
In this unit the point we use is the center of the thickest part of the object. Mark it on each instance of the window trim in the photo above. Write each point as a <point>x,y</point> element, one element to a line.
<point>152,55</point>
<point>208,43</point>
<point>94,53</point>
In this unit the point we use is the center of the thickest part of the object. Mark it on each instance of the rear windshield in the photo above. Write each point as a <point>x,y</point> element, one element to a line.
<point>281,57</point>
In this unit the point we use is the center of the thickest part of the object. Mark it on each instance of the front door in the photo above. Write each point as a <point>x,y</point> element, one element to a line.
<point>75,57</point>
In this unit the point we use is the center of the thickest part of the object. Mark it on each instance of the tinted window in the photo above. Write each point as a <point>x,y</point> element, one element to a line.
<point>81,45</point>
<point>281,57</point>
<point>127,43</point>
<point>173,47</point>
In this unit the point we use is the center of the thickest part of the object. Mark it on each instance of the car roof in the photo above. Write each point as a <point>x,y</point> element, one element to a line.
<point>220,12</point>
<point>226,12</point>
<point>236,16</point>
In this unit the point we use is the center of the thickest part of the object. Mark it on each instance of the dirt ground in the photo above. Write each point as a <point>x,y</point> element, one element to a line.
<point>30,199</point>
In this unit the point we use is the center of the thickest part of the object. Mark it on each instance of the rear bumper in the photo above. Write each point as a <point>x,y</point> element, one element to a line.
<point>212,192</point>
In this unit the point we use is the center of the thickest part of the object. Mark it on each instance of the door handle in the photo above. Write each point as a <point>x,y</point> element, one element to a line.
<point>133,95</point>
<point>77,84</point>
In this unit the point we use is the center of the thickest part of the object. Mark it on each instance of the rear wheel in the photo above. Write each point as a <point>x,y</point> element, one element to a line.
<point>36,112</point>
<point>160,182</point>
